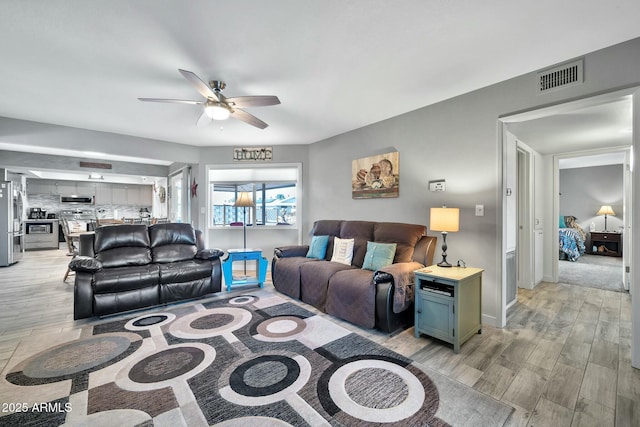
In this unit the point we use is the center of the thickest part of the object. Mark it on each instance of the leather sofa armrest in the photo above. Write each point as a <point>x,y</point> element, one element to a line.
<point>209,253</point>
<point>291,251</point>
<point>85,264</point>
<point>382,277</point>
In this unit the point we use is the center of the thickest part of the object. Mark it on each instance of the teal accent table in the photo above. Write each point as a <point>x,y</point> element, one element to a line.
<point>448,303</point>
<point>245,255</point>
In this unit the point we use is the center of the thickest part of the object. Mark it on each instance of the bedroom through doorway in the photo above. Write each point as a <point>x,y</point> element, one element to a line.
<point>591,246</point>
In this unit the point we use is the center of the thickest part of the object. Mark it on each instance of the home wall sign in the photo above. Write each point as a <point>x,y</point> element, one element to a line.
<point>375,176</point>
<point>253,154</point>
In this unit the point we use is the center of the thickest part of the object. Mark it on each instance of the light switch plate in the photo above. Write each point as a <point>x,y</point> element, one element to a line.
<point>479,210</point>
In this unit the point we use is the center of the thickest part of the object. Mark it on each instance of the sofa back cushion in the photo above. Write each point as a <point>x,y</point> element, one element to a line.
<point>327,227</point>
<point>172,242</point>
<point>361,232</point>
<point>122,245</point>
<point>405,236</point>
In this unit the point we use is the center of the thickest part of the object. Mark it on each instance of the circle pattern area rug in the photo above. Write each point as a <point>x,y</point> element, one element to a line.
<point>247,360</point>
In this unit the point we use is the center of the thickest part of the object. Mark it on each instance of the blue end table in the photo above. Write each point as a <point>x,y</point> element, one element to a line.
<point>245,255</point>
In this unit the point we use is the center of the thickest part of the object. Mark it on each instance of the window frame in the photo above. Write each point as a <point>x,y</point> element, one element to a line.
<point>251,213</point>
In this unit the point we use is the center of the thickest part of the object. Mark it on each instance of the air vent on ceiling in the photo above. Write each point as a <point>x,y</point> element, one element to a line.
<point>565,75</point>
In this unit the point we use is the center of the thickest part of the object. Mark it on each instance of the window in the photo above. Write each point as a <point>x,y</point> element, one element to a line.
<point>274,191</point>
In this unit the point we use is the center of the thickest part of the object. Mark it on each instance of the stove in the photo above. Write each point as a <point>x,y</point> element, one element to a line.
<point>79,220</point>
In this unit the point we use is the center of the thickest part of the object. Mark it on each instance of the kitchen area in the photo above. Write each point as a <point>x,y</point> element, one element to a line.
<point>81,205</point>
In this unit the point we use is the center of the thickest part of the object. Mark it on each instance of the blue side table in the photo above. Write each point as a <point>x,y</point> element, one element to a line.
<point>245,255</point>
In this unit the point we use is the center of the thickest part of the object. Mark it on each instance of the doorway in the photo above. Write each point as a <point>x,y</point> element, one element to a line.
<point>591,253</point>
<point>570,129</point>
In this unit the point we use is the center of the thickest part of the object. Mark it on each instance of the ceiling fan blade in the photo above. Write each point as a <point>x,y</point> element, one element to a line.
<point>248,118</point>
<point>176,101</point>
<point>200,86</point>
<point>203,120</point>
<point>253,101</point>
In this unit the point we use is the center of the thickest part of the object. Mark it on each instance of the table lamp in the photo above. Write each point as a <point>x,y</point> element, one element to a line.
<point>244,201</point>
<point>446,220</point>
<point>605,210</point>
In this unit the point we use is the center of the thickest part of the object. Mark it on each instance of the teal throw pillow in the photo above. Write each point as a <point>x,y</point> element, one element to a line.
<point>378,255</point>
<point>561,223</point>
<point>318,247</point>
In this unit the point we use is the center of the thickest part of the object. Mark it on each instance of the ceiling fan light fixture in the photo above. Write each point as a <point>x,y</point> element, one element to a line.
<point>217,111</point>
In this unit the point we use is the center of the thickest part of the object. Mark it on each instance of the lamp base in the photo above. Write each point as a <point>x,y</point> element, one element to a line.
<point>444,262</point>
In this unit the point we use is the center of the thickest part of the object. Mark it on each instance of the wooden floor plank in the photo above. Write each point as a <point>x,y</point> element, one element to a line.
<point>563,358</point>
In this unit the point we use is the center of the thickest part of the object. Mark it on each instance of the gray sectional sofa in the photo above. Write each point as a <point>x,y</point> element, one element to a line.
<point>380,297</point>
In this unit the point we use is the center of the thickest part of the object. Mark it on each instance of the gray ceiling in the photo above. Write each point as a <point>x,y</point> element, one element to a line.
<point>335,65</point>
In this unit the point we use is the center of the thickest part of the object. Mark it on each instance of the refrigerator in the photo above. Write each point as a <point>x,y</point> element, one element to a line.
<point>11,223</point>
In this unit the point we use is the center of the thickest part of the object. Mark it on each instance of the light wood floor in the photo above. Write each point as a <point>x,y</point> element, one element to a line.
<point>562,360</point>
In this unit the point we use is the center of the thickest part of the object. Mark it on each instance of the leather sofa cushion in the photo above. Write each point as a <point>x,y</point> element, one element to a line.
<point>326,227</point>
<point>361,232</point>
<point>184,271</point>
<point>172,242</point>
<point>172,233</point>
<point>123,257</point>
<point>405,236</point>
<point>125,300</point>
<point>116,236</point>
<point>121,279</point>
<point>173,253</point>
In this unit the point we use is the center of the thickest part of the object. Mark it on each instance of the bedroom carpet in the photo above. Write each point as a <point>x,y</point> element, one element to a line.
<point>250,359</point>
<point>593,271</point>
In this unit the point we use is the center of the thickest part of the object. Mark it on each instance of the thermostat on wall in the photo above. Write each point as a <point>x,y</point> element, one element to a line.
<point>437,185</point>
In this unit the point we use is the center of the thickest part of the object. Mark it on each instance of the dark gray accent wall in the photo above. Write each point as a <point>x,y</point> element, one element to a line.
<point>584,190</point>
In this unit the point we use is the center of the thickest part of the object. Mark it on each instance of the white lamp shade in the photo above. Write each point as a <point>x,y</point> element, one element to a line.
<point>605,210</point>
<point>244,200</point>
<point>444,219</point>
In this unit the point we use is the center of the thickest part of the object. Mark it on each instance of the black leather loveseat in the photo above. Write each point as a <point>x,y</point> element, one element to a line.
<point>127,267</point>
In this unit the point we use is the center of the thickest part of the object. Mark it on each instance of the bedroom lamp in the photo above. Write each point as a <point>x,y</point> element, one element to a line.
<point>446,220</point>
<point>605,210</point>
<point>244,201</point>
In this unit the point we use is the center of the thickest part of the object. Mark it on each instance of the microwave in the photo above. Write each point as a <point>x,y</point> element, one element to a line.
<point>77,200</point>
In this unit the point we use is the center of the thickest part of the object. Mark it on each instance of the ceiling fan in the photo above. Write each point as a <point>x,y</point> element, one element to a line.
<point>219,107</point>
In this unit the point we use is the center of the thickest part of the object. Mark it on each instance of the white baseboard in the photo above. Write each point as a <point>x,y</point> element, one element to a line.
<point>489,320</point>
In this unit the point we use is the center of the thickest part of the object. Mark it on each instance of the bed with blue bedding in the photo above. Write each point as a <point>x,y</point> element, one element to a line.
<point>571,238</point>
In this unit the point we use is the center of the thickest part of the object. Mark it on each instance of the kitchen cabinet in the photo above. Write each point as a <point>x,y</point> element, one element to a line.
<point>40,186</point>
<point>131,194</point>
<point>119,194</point>
<point>103,193</point>
<point>41,234</point>
<point>66,188</point>
<point>85,188</point>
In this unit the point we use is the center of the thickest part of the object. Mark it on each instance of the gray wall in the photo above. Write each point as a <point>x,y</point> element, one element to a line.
<point>584,190</point>
<point>455,140</point>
